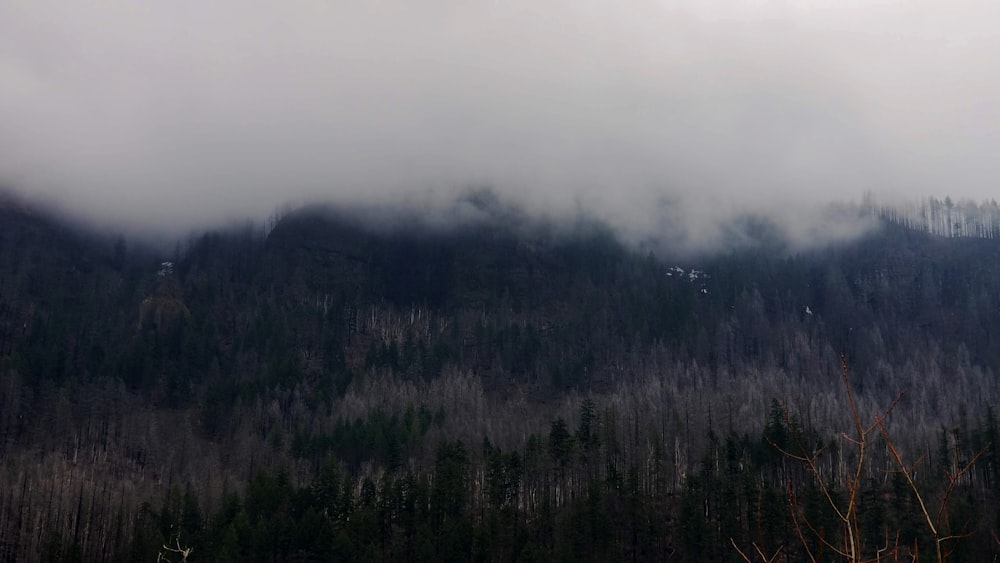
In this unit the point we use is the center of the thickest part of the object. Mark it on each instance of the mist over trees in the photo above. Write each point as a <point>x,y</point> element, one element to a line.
<point>326,390</point>
<point>947,218</point>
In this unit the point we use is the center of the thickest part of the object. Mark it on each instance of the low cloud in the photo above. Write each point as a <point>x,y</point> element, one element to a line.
<point>660,117</point>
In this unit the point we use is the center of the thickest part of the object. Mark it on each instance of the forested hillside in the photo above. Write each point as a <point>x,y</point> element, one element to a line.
<point>375,387</point>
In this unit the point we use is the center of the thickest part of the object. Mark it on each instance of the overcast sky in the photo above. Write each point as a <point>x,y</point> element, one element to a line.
<point>183,113</point>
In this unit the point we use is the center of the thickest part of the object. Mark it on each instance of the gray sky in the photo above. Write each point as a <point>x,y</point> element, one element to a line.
<point>184,113</point>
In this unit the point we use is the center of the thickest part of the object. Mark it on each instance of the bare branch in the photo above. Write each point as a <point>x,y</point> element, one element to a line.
<point>184,552</point>
<point>765,558</point>
<point>740,551</point>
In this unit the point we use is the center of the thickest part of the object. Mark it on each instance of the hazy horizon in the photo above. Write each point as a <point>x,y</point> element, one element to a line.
<point>176,116</point>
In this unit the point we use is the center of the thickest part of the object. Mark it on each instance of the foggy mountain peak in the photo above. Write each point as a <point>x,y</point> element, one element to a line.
<point>666,120</point>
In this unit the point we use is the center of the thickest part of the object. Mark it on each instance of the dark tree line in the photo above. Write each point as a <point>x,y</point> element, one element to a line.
<point>560,498</point>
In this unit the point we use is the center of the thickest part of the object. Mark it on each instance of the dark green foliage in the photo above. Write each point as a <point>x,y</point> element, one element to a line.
<point>434,514</point>
<point>123,379</point>
<point>693,529</point>
<point>450,490</point>
<point>382,438</point>
<point>561,443</point>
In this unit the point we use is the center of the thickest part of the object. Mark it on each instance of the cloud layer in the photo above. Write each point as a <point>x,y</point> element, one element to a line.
<point>176,115</point>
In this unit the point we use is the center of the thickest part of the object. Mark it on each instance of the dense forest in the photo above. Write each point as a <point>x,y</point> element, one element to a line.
<point>365,385</point>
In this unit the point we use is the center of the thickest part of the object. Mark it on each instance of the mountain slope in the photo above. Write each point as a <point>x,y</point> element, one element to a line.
<point>367,342</point>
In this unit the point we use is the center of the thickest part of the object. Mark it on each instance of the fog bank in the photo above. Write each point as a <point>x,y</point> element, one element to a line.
<point>659,117</point>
